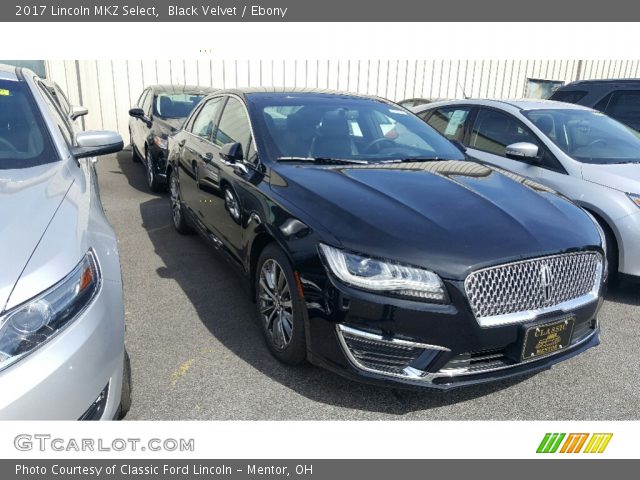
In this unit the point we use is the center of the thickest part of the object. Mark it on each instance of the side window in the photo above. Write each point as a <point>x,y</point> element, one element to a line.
<point>58,117</point>
<point>234,126</point>
<point>146,103</point>
<point>602,104</point>
<point>450,121</point>
<point>205,119</point>
<point>493,131</point>
<point>568,96</point>
<point>252,155</point>
<point>625,106</point>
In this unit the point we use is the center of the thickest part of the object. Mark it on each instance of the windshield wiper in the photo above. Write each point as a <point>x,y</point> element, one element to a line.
<point>423,159</point>
<point>322,160</point>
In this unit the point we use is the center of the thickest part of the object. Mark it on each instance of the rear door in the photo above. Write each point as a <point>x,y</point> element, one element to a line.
<point>224,186</point>
<point>195,149</point>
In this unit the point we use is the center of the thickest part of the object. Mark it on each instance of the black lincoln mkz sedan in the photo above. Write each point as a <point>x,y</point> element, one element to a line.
<point>160,111</point>
<point>374,249</point>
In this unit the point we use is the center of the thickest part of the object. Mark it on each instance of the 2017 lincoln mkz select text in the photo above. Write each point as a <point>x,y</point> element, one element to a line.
<point>375,249</point>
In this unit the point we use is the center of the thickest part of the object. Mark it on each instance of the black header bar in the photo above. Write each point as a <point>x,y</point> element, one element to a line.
<point>320,11</point>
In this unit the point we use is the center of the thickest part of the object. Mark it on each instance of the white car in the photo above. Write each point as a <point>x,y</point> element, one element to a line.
<point>579,152</point>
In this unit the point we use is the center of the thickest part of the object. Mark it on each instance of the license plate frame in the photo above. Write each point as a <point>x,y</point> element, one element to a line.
<point>547,338</point>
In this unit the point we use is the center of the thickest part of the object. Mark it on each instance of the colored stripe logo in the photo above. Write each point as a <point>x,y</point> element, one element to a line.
<point>574,443</point>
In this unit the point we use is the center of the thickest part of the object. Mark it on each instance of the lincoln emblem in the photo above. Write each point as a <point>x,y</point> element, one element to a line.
<point>546,282</point>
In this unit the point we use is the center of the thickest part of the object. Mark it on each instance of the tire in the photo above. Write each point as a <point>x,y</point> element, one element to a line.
<point>279,307</point>
<point>177,209</point>
<point>155,185</point>
<point>125,397</point>
<point>134,153</point>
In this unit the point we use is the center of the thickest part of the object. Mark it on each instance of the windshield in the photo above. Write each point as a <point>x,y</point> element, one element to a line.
<point>588,136</point>
<point>175,105</point>
<point>345,128</point>
<point>24,141</point>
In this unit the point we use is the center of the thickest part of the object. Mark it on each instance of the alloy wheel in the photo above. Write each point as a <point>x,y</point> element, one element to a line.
<point>150,174</point>
<point>176,207</point>
<point>232,204</point>
<point>275,304</point>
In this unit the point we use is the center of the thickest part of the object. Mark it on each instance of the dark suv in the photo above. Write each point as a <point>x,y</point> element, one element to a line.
<point>620,99</point>
<point>160,111</point>
<point>373,248</point>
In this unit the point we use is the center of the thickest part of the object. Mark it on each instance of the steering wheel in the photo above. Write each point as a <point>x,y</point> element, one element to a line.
<point>7,143</point>
<point>377,142</point>
<point>600,141</point>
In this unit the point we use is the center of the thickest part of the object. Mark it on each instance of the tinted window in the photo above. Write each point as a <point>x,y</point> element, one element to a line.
<point>568,96</point>
<point>625,107</point>
<point>24,140</point>
<point>175,105</point>
<point>205,120</point>
<point>234,125</point>
<point>493,131</point>
<point>589,136</point>
<point>450,121</point>
<point>602,104</point>
<point>349,128</point>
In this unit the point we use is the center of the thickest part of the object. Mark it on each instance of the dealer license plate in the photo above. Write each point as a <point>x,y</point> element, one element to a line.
<point>548,338</point>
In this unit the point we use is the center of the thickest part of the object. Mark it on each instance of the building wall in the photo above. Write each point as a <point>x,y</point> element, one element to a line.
<point>109,87</point>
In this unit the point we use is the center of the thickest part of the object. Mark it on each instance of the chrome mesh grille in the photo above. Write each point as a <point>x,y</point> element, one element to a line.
<point>533,284</point>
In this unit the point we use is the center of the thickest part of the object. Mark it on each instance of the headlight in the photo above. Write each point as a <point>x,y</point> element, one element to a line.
<point>163,143</point>
<point>26,327</point>
<point>635,198</point>
<point>384,277</point>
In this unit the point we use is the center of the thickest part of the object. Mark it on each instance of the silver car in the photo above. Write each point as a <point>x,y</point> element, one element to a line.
<point>62,352</point>
<point>579,152</point>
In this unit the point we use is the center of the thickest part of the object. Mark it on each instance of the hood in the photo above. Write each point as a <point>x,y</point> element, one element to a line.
<point>29,199</point>
<point>168,125</point>
<point>448,216</point>
<point>624,177</point>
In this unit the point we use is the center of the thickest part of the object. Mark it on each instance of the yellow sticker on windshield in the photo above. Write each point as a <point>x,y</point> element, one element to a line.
<point>4,92</point>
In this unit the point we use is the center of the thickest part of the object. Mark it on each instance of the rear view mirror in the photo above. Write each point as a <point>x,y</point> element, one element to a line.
<point>523,151</point>
<point>95,143</point>
<point>231,152</point>
<point>136,112</point>
<point>78,111</point>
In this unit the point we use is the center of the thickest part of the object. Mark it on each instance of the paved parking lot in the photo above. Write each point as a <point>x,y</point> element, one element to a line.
<point>197,351</point>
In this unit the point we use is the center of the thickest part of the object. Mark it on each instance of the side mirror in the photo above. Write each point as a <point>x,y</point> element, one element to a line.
<point>78,111</point>
<point>136,112</point>
<point>94,143</point>
<point>231,152</point>
<point>523,151</point>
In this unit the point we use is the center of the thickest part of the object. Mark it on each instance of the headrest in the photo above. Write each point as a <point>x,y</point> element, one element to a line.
<point>334,124</point>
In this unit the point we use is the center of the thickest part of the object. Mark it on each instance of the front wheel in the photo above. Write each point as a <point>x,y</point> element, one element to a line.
<point>153,181</point>
<point>177,209</point>
<point>280,307</point>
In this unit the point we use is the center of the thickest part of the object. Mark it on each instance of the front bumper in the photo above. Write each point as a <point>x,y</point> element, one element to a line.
<point>63,379</point>
<point>392,341</point>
